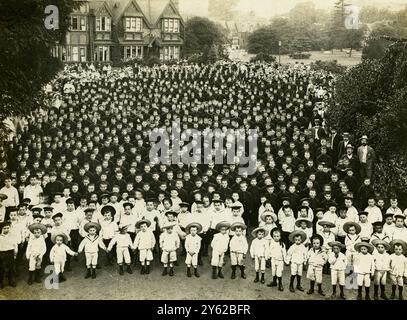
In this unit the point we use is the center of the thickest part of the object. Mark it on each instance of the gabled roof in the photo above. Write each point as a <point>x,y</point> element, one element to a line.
<point>151,10</point>
<point>100,8</point>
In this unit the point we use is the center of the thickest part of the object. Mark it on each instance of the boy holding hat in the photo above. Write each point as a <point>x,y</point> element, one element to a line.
<point>398,266</point>
<point>91,244</point>
<point>364,267</point>
<point>219,244</point>
<point>58,253</point>
<point>192,247</point>
<point>238,248</point>
<point>169,243</point>
<point>259,252</point>
<point>382,266</point>
<point>8,254</point>
<point>122,241</point>
<point>145,243</point>
<point>316,258</point>
<point>338,263</point>
<point>129,219</point>
<point>296,257</point>
<point>36,249</point>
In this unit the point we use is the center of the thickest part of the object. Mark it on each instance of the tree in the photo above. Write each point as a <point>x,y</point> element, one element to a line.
<point>353,39</point>
<point>201,34</point>
<point>26,61</point>
<point>376,45</point>
<point>263,40</point>
<point>370,99</point>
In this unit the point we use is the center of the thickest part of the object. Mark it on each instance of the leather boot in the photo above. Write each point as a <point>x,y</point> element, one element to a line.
<point>196,273</point>
<point>242,274</point>
<point>257,278</point>
<point>220,274</point>
<point>233,276</point>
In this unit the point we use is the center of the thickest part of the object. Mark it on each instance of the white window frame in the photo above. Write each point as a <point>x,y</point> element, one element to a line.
<point>171,25</point>
<point>170,53</point>
<point>75,54</point>
<point>132,52</point>
<point>102,53</point>
<point>80,24</point>
<point>133,24</point>
<point>103,23</point>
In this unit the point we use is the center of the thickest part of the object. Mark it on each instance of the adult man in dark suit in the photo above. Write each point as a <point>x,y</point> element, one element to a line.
<point>366,156</point>
<point>335,140</point>
<point>343,144</point>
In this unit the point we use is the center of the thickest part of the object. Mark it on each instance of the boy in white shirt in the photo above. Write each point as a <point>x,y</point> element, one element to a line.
<point>58,253</point>
<point>388,226</point>
<point>36,249</point>
<point>338,263</point>
<point>382,266</point>
<point>192,247</point>
<point>91,244</point>
<point>169,243</point>
<point>238,248</point>
<point>109,230</point>
<point>398,267</point>
<point>144,242</point>
<point>364,267</point>
<point>259,252</point>
<point>123,242</point>
<point>219,244</point>
<point>296,257</point>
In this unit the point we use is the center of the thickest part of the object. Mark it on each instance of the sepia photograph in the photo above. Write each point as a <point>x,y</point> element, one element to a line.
<point>203,150</point>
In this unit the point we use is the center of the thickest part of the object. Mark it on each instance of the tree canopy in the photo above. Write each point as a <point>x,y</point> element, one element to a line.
<point>371,99</point>
<point>26,61</point>
<point>202,36</point>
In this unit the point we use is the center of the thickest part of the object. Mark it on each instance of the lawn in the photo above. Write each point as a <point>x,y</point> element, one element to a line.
<point>342,57</point>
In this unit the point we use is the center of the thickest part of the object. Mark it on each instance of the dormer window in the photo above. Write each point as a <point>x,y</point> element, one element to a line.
<point>171,25</point>
<point>102,23</point>
<point>133,24</point>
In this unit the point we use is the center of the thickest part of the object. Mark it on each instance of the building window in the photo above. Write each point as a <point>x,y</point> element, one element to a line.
<point>132,52</point>
<point>171,25</point>
<point>78,23</point>
<point>74,54</point>
<point>169,53</point>
<point>102,53</point>
<point>102,23</point>
<point>133,24</point>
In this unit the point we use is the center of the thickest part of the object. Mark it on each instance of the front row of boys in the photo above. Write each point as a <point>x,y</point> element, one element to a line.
<point>370,261</point>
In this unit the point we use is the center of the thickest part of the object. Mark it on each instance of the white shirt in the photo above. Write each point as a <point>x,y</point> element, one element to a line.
<point>364,154</point>
<point>33,193</point>
<point>12,196</point>
<point>375,214</point>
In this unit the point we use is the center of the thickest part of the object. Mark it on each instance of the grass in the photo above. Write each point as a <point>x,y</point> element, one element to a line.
<point>342,57</point>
